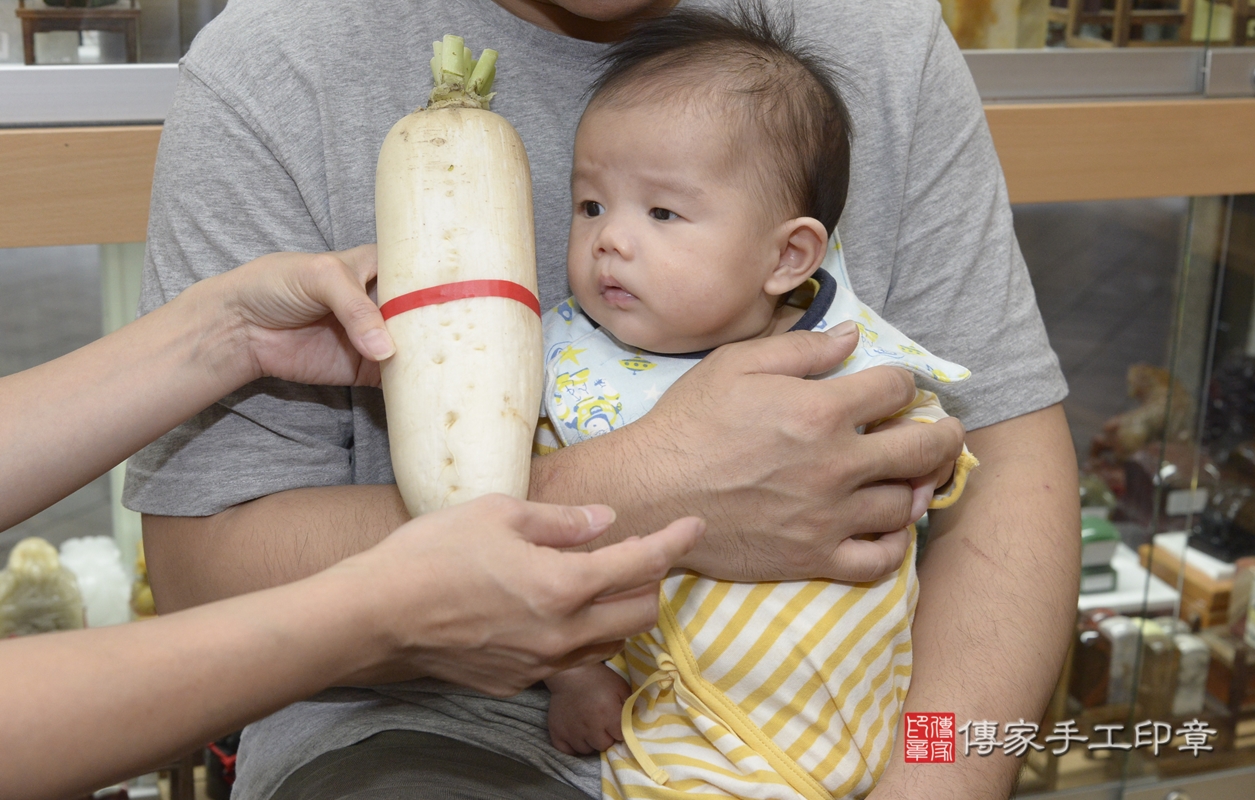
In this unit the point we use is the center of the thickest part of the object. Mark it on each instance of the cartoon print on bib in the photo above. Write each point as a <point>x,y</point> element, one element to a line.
<point>586,406</point>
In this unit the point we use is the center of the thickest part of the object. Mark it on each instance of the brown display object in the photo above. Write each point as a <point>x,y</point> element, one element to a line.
<point>1231,676</point>
<point>1166,501</point>
<point>1122,18</point>
<point>87,185</point>
<point>1091,668</point>
<point>1201,597</point>
<point>1157,683</point>
<point>1240,600</point>
<point>104,18</point>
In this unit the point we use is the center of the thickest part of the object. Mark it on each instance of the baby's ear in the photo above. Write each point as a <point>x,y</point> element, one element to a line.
<point>803,243</point>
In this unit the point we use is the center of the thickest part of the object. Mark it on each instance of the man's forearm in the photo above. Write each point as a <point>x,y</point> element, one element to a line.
<point>290,535</point>
<point>997,601</point>
<point>613,470</point>
<point>714,446</point>
<point>273,540</point>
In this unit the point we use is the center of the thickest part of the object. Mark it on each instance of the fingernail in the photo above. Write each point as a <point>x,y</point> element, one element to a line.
<point>599,517</point>
<point>847,328</point>
<point>378,343</point>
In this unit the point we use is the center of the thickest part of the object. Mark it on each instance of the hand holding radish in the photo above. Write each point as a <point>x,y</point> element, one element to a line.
<point>476,595</point>
<point>306,317</point>
<point>302,317</point>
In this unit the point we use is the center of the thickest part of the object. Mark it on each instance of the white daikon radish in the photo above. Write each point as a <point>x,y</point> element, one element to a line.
<point>457,285</point>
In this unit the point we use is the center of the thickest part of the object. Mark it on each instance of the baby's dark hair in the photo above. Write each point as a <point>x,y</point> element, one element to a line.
<point>787,91</point>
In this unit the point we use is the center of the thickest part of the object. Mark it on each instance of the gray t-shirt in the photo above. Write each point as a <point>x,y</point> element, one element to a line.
<point>271,145</point>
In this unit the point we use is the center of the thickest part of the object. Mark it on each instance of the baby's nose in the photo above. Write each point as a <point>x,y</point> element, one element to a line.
<point>612,239</point>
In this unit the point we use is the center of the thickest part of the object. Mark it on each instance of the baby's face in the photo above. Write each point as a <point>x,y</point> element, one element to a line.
<point>670,248</point>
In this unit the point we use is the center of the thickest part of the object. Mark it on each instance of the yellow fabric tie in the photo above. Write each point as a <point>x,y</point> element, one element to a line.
<point>667,676</point>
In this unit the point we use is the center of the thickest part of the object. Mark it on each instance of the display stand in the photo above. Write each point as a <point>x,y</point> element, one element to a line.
<point>1121,18</point>
<point>1136,592</point>
<point>107,18</point>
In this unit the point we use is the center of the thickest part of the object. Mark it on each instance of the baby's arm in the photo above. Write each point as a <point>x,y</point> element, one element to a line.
<point>586,709</point>
<point>586,703</point>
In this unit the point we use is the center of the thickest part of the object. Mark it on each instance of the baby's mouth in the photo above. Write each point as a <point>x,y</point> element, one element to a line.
<point>612,293</point>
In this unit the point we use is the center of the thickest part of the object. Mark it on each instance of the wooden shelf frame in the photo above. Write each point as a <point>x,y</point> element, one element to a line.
<point>63,186</point>
<point>1056,152</point>
<point>91,185</point>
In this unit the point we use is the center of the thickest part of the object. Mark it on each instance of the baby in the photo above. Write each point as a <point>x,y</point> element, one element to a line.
<point>710,169</point>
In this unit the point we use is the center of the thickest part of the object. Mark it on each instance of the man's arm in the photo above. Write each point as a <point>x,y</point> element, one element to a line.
<point>715,446</point>
<point>998,587</point>
<point>266,542</point>
<point>781,490</point>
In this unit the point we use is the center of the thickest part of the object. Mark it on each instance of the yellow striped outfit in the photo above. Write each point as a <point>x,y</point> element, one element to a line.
<point>751,690</point>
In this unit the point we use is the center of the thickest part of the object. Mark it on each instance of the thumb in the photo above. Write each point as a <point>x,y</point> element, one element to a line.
<point>800,353</point>
<point>922,490</point>
<point>342,291</point>
<point>861,560</point>
<point>562,526</point>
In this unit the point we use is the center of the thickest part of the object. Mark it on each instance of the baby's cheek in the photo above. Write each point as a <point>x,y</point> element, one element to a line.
<point>634,330</point>
<point>580,287</point>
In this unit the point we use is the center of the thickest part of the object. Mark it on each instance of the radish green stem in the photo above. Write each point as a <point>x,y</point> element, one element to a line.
<point>461,81</point>
<point>483,73</point>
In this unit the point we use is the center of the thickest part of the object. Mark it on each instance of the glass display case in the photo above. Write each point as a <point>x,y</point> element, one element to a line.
<point>100,31</point>
<point>1149,307</point>
<point>1029,24</point>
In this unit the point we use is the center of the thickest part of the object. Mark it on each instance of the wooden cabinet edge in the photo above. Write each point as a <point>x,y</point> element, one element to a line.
<point>91,185</point>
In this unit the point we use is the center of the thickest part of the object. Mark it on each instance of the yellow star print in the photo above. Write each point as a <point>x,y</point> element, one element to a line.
<point>570,354</point>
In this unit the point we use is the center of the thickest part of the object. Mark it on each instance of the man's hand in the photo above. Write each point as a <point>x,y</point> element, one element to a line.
<point>922,488</point>
<point>476,595</point>
<point>773,462</point>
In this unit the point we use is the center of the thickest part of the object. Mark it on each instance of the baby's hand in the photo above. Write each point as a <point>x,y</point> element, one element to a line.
<point>586,709</point>
<point>923,487</point>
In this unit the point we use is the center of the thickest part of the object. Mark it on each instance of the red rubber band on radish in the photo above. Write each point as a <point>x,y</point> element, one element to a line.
<point>435,295</point>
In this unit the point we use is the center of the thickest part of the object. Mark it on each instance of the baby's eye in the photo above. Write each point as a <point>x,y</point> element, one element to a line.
<point>662,214</point>
<point>591,208</point>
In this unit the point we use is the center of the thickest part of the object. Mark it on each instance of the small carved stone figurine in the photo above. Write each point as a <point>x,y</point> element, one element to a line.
<point>1164,407</point>
<point>37,594</point>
